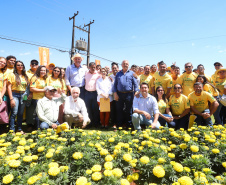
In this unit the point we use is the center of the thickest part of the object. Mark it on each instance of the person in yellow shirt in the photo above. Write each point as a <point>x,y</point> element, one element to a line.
<point>199,102</point>
<point>3,78</point>
<point>10,63</point>
<point>161,78</point>
<point>50,68</point>
<point>153,69</point>
<point>165,116</point>
<point>217,66</point>
<point>201,71</point>
<point>180,107</point>
<point>146,77</point>
<point>37,85</point>
<point>17,83</point>
<point>32,70</point>
<point>219,82</point>
<point>175,77</point>
<point>56,81</point>
<point>187,79</point>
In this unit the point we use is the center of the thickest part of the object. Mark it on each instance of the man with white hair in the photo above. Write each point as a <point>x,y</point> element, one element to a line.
<point>48,108</point>
<point>75,110</point>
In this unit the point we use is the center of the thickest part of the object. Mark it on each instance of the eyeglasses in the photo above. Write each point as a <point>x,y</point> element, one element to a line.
<point>160,90</point>
<point>217,65</point>
<point>19,65</point>
<point>56,71</point>
<point>187,66</point>
<point>34,64</point>
<point>52,91</point>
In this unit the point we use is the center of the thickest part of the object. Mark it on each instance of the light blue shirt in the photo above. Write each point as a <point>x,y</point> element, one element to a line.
<point>75,76</point>
<point>148,104</point>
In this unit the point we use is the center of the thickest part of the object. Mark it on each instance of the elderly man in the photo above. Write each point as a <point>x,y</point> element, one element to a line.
<point>75,75</point>
<point>199,102</point>
<point>75,110</point>
<point>124,88</point>
<point>143,109</point>
<point>48,108</point>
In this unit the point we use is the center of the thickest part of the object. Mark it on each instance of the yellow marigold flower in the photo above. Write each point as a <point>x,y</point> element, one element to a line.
<point>187,169</point>
<point>54,171</point>
<point>171,155</point>
<point>27,159</point>
<point>77,155</point>
<point>49,155</point>
<point>96,176</point>
<point>108,165</point>
<point>124,182</point>
<point>178,167</point>
<point>159,171</point>
<point>14,163</point>
<point>107,173</point>
<point>185,180</point>
<point>117,172</point>
<point>7,179</point>
<point>215,151</point>
<point>135,176</point>
<point>27,148</point>
<point>152,184</point>
<point>41,149</point>
<point>81,181</point>
<point>22,142</point>
<point>111,140</point>
<point>194,148</point>
<point>53,164</point>
<point>96,168</point>
<point>64,168</point>
<point>206,169</point>
<point>224,164</point>
<point>88,172</point>
<point>33,145</point>
<point>183,146</point>
<point>161,160</point>
<point>104,152</point>
<point>32,180</point>
<point>129,178</point>
<point>206,147</point>
<point>173,146</point>
<point>186,139</point>
<point>144,159</point>
<point>108,158</point>
<point>202,179</point>
<point>127,157</point>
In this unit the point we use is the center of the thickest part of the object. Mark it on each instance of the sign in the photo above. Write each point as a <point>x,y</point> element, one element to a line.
<point>97,62</point>
<point>44,56</point>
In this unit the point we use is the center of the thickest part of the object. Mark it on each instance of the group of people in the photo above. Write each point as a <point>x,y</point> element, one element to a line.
<point>154,95</point>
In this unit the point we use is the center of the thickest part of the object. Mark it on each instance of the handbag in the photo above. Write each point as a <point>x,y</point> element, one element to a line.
<point>4,117</point>
<point>223,100</point>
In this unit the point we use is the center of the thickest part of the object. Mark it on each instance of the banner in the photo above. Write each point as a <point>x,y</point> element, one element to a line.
<point>97,62</point>
<point>44,56</point>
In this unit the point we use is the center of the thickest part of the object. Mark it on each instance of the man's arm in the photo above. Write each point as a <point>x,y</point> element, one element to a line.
<point>213,107</point>
<point>168,92</point>
<point>193,109</point>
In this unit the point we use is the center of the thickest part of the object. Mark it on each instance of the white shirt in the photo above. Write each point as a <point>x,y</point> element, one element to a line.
<point>73,108</point>
<point>148,104</point>
<point>104,86</point>
<point>48,110</point>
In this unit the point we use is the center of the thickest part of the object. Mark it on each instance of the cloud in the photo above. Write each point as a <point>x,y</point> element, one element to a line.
<point>23,54</point>
<point>192,43</point>
<point>2,51</point>
<point>133,37</point>
<point>207,46</point>
<point>222,51</point>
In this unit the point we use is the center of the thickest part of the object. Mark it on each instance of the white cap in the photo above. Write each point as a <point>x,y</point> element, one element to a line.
<point>49,88</point>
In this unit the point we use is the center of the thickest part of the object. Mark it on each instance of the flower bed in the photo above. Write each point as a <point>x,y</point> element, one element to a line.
<point>165,156</point>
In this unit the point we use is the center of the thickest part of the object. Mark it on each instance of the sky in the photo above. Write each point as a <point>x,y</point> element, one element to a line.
<point>142,32</point>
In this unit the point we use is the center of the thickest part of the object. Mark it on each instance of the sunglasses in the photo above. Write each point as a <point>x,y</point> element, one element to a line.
<point>160,90</point>
<point>34,64</point>
<point>217,65</point>
<point>56,71</point>
<point>19,65</point>
<point>177,87</point>
<point>187,66</point>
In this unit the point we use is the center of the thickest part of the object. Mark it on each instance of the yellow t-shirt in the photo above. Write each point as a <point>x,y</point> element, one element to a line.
<point>17,87</point>
<point>40,83</point>
<point>200,103</point>
<point>178,105</point>
<point>146,79</point>
<point>9,70</point>
<point>208,88</point>
<point>30,74</point>
<point>162,106</point>
<point>56,83</point>
<point>208,78</point>
<point>173,83</point>
<point>3,77</point>
<point>165,81</point>
<point>187,81</point>
<point>214,76</point>
<point>219,84</point>
<point>152,74</point>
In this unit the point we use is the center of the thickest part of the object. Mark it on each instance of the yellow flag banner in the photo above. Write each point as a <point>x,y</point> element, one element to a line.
<point>44,56</point>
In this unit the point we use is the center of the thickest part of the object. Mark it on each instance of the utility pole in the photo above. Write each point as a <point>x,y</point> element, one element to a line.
<point>73,34</point>
<point>88,50</point>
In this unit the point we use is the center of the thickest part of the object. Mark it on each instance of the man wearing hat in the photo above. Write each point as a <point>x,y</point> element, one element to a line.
<point>217,66</point>
<point>75,75</point>
<point>48,108</point>
<point>51,67</point>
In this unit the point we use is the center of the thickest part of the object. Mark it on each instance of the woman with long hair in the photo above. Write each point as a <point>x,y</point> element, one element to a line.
<point>165,115</point>
<point>38,83</point>
<point>3,77</point>
<point>17,83</point>
<point>55,80</point>
<point>180,107</point>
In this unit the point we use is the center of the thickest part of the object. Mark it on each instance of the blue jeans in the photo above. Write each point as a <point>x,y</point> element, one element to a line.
<point>18,111</point>
<point>163,122</point>
<point>204,122</point>
<point>35,116</point>
<point>92,107</point>
<point>45,125</point>
<point>140,119</point>
<point>216,114</point>
<point>124,108</point>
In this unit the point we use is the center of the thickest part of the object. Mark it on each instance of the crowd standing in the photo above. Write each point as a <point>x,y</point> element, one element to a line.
<point>153,95</point>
